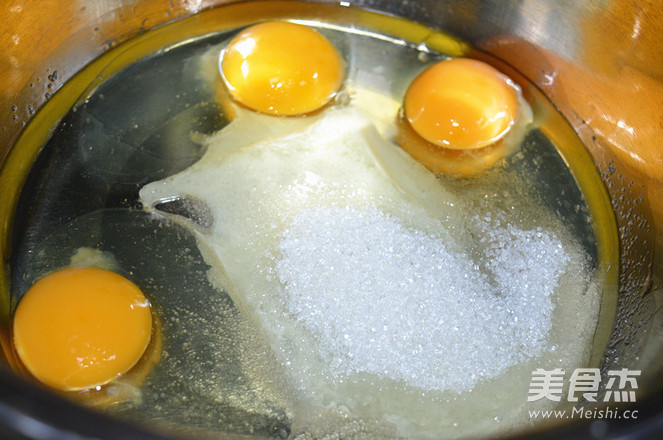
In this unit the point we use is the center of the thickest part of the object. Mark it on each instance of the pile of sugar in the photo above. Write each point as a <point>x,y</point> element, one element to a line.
<point>399,303</point>
<point>372,283</point>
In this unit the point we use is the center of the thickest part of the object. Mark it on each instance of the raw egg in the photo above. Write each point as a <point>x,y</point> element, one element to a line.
<point>281,68</point>
<point>461,104</point>
<point>81,327</point>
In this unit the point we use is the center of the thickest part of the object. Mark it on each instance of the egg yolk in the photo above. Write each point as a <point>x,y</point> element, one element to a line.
<point>461,104</point>
<point>460,163</point>
<point>282,68</point>
<point>81,327</point>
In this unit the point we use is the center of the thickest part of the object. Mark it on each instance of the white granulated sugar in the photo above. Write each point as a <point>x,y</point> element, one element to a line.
<point>381,298</point>
<point>372,283</point>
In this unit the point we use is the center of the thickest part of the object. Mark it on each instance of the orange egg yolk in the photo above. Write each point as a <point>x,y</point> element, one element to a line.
<point>461,104</point>
<point>81,327</point>
<point>282,68</point>
<point>459,163</point>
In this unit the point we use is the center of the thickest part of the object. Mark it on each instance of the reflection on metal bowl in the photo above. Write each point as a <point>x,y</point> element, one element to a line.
<point>596,62</point>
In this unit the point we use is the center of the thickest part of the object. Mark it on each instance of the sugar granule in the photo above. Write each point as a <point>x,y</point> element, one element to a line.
<point>399,303</point>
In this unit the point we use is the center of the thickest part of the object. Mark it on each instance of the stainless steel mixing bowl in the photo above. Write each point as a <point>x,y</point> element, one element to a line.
<point>598,61</point>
